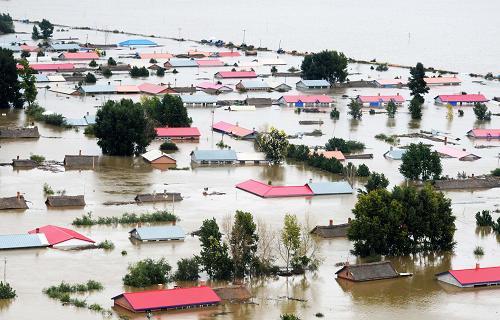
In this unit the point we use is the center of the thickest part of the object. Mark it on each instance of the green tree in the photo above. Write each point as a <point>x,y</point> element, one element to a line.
<point>93,64</point>
<point>481,112</point>
<point>243,243</point>
<point>343,145</point>
<point>289,241</point>
<point>274,144</point>
<point>9,84</point>
<point>214,256</point>
<point>35,34</point>
<point>90,78</point>
<point>122,128</point>
<point>289,316</point>
<point>327,65</point>
<point>139,72</point>
<point>46,28</point>
<point>28,82</point>
<point>6,291</point>
<point>274,69</point>
<point>376,181</point>
<point>355,109</point>
<point>391,109</point>
<point>416,82</point>
<point>106,72</point>
<point>160,72</point>
<point>169,111</point>
<point>188,269</point>
<point>484,219</point>
<point>147,272</point>
<point>111,61</point>
<point>419,162</point>
<point>25,54</point>
<point>363,170</point>
<point>415,108</point>
<point>6,24</point>
<point>404,221</point>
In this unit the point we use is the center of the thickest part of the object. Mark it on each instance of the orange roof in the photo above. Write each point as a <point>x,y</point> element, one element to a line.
<point>156,55</point>
<point>332,154</point>
<point>127,89</point>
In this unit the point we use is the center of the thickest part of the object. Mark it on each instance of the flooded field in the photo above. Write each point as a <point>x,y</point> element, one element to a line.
<point>121,178</point>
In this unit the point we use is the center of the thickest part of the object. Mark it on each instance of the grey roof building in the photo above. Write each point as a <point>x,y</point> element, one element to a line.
<point>253,85</point>
<point>97,89</point>
<point>331,230</point>
<point>80,161</point>
<point>325,188</point>
<point>23,241</point>
<point>198,100</point>
<point>64,46</point>
<point>214,156</point>
<point>180,63</point>
<point>65,201</point>
<point>312,84</point>
<point>368,271</point>
<point>395,154</point>
<point>161,233</point>
<point>23,163</point>
<point>17,202</point>
<point>158,197</point>
<point>19,132</point>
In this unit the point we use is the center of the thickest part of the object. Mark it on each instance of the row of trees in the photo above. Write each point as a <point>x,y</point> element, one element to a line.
<point>125,127</point>
<point>13,79</point>
<point>6,24</point>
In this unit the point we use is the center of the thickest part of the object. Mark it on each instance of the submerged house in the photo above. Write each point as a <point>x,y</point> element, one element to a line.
<point>80,161</point>
<point>234,130</point>
<point>23,163</point>
<point>158,157</point>
<point>213,88</point>
<point>312,84</point>
<point>22,241</point>
<point>170,299</point>
<point>65,201</point>
<point>390,83</point>
<point>331,154</point>
<point>19,132</point>
<point>79,56</point>
<point>156,56</point>
<point>484,133</point>
<point>183,134</point>
<point>52,67</point>
<point>210,63</point>
<point>235,74</point>
<point>158,233</point>
<point>253,85</point>
<point>180,63</point>
<point>306,101</point>
<point>137,43</point>
<point>59,237</point>
<point>368,271</point>
<point>198,100</point>
<point>10,203</point>
<point>154,89</point>
<point>442,81</point>
<point>450,152</point>
<point>395,154</point>
<point>256,158</point>
<point>64,47</point>
<point>97,89</point>
<point>380,101</point>
<point>332,230</point>
<point>460,99</point>
<point>158,197</point>
<point>471,278</point>
<point>310,189</point>
<point>213,157</point>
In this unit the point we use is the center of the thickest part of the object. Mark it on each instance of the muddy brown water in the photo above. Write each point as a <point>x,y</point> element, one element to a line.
<point>121,178</point>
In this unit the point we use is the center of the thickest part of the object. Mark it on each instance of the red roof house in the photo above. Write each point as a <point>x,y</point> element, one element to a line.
<point>62,237</point>
<point>266,191</point>
<point>79,56</point>
<point>226,54</point>
<point>470,278</point>
<point>235,74</point>
<point>210,63</point>
<point>306,101</point>
<point>379,100</point>
<point>127,89</point>
<point>154,89</point>
<point>443,81</point>
<point>332,154</point>
<point>484,133</point>
<point>234,130</point>
<point>185,133</point>
<point>50,66</point>
<point>459,99</point>
<point>170,299</point>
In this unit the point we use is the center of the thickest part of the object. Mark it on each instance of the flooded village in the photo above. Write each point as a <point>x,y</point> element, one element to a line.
<point>152,175</point>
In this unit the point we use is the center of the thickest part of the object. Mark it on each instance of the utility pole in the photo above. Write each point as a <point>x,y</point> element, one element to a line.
<point>244,34</point>
<point>5,270</point>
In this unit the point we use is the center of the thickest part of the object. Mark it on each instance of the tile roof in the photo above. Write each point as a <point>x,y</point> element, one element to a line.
<point>441,80</point>
<point>236,74</point>
<point>332,154</point>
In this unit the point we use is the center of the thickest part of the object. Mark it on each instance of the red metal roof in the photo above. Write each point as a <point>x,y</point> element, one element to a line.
<point>476,275</point>
<point>485,133</point>
<point>236,74</point>
<point>308,99</point>
<point>332,154</point>
<point>57,235</point>
<point>223,126</point>
<point>80,55</point>
<point>368,99</point>
<point>210,63</point>
<point>152,88</point>
<point>127,89</point>
<point>229,128</point>
<point>229,54</point>
<point>462,98</point>
<point>266,191</point>
<point>50,66</point>
<point>27,48</point>
<point>171,298</point>
<point>178,132</point>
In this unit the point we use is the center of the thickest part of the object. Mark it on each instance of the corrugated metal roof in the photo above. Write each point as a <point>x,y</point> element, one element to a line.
<point>178,63</point>
<point>90,119</point>
<point>250,156</point>
<point>65,46</point>
<point>154,154</point>
<point>462,98</point>
<point>324,188</point>
<point>56,235</point>
<point>19,241</point>
<point>198,98</point>
<point>56,78</point>
<point>255,84</point>
<point>214,155</point>
<point>477,275</point>
<point>178,132</point>
<point>76,122</point>
<point>41,78</point>
<point>98,88</point>
<point>314,83</point>
<point>159,233</point>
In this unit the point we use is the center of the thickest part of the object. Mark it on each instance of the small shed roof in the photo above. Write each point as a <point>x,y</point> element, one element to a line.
<point>331,231</point>
<point>21,241</point>
<point>137,42</point>
<point>9,203</point>
<point>214,155</point>
<point>178,132</point>
<point>152,155</point>
<point>170,298</point>
<point>315,83</point>
<point>56,235</point>
<point>371,271</point>
<point>159,233</point>
<point>325,188</point>
<point>158,197</point>
<point>65,201</point>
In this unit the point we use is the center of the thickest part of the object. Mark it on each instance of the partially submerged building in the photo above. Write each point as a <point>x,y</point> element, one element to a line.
<point>183,134</point>
<point>379,101</point>
<point>312,85</point>
<point>11,203</point>
<point>390,83</point>
<point>65,201</point>
<point>442,81</point>
<point>395,153</point>
<point>59,237</point>
<point>22,241</point>
<point>19,132</point>
<point>310,189</point>
<point>201,99</point>
<point>97,89</point>
<point>235,74</point>
<point>158,157</point>
<point>368,271</point>
<point>253,85</point>
<point>170,299</point>
<point>306,101</point>
<point>91,55</point>
<point>80,161</point>
<point>158,233</point>
<point>331,230</point>
<point>175,63</point>
<point>460,99</point>
<point>471,278</point>
<point>213,88</point>
<point>234,130</point>
<point>213,157</point>
<point>460,154</point>
<point>23,163</point>
<point>484,133</point>
<point>158,197</point>
<point>137,43</point>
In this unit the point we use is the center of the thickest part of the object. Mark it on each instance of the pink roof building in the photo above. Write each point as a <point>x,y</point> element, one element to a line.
<point>158,56</point>
<point>79,56</point>
<point>443,81</point>
<point>51,66</point>
<point>266,191</point>
<point>27,48</point>
<point>450,152</point>
<point>127,89</point>
<point>226,54</point>
<point>235,74</point>
<point>306,100</point>
<point>211,87</point>
<point>210,63</point>
<point>62,237</point>
<point>470,278</point>
<point>234,130</point>
<point>390,83</point>
<point>184,133</point>
<point>332,154</point>
<point>460,99</point>
<point>379,100</point>
<point>484,133</point>
<point>154,89</point>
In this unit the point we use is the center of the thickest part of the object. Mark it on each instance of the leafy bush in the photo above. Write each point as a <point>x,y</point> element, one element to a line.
<point>93,64</point>
<point>484,219</point>
<point>37,158</point>
<point>382,67</point>
<point>187,270</point>
<point>6,291</point>
<point>89,130</point>
<point>363,170</point>
<point>160,72</point>
<point>343,145</point>
<point>168,146</point>
<point>62,292</point>
<point>479,251</point>
<point>139,72</point>
<point>106,245</point>
<point>334,114</point>
<point>126,218</point>
<point>90,78</point>
<point>111,61</point>
<point>55,119</point>
<point>289,316</point>
<point>47,190</point>
<point>107,72</point>
<point>147,272</point>
<point>496,172</point>
<point>481,112</point>
<point>392,139</point>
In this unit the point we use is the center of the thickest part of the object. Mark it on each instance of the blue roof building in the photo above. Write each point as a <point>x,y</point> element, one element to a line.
<point>137,43</point>
<point>160,233</point>
<point>41,77</point>
<point>312,84</point>
<point>325,188</point>
<point>89,119</point>
<point>23,241</point>
<point>214,157</point>
<point>395,154</point>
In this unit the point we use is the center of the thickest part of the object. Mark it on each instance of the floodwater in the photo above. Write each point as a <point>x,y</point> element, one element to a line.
<point>120,179</point>
<point>458,35</point>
